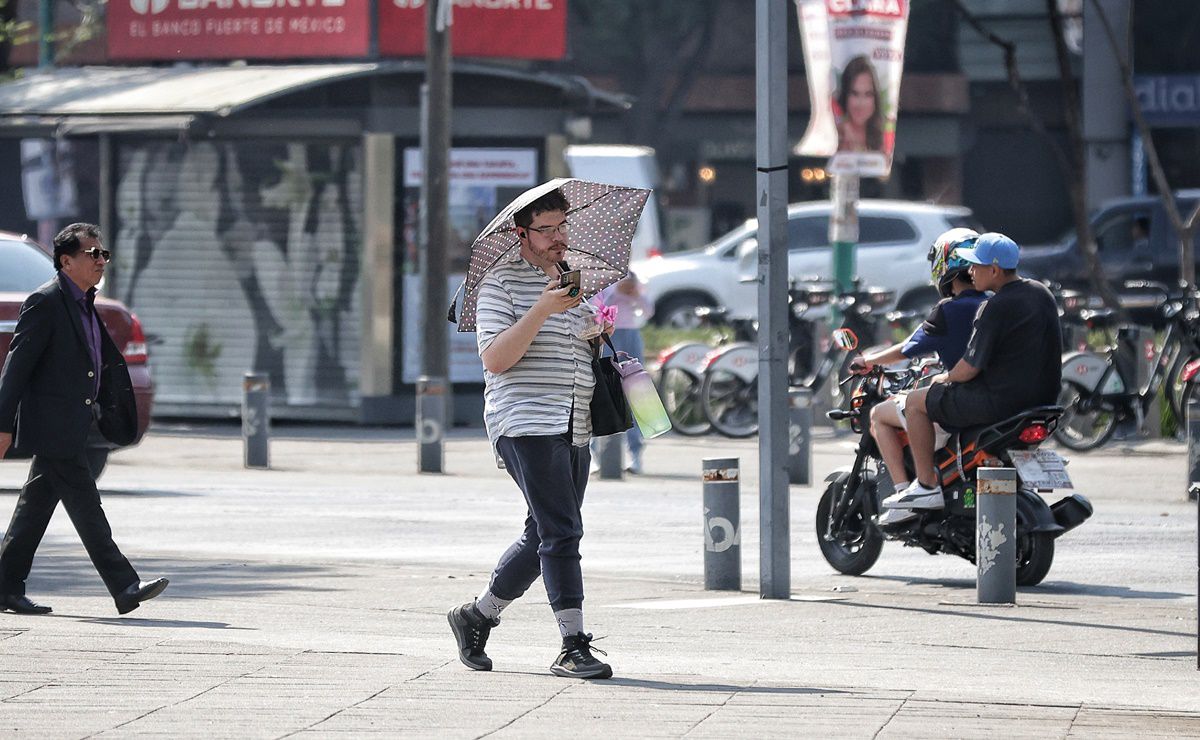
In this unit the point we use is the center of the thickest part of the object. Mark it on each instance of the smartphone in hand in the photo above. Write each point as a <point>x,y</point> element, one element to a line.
<point>572,279</point>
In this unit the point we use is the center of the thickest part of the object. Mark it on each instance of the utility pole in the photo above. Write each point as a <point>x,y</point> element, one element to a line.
<point>775,573</point>
<point>434,399</point>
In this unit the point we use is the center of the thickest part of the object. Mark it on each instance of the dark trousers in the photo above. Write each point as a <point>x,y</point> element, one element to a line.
<point>68,480</point>
<point>552,473</point>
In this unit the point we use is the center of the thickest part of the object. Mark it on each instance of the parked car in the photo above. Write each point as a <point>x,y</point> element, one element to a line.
<point>894,238</point>
<point>24,267</point>
<point>1135,242</point>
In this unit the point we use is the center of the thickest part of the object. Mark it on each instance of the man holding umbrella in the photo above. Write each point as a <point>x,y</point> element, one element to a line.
<point>532,337</point>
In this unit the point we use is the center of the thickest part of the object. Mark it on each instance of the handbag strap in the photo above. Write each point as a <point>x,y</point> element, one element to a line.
<point>596,346</point>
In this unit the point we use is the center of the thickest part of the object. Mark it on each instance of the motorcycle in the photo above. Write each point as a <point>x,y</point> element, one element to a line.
<point>851,540</point>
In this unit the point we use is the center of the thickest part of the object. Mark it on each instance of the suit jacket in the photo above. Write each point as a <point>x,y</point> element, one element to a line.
<point>47,381</point>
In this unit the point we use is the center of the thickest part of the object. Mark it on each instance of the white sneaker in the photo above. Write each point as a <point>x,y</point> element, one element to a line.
<point>895,516</point>
<point>916,496</point>
<point>635,463</point>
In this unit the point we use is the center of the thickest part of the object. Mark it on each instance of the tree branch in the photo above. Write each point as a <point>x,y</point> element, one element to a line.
<point>1083,227</point>
<point>691,64</point>
<point>1185,230</point>
<point>1070,163</point>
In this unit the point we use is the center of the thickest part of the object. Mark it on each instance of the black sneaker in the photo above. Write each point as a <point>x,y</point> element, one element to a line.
<point>576,659</point>
<point>471,629</point>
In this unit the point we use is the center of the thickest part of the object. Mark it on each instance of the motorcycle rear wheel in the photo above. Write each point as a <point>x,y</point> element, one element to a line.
<point>858,548</point>
<point>1035,554</point>
<point>1078,429</point>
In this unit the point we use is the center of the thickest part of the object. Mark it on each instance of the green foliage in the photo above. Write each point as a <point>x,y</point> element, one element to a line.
<point>1168,425</point>
<point>658,338</point>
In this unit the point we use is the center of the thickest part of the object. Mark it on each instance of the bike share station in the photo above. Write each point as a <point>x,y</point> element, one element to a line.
<point>993,476</point>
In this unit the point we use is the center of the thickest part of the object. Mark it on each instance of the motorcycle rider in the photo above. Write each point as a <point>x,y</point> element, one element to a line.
<point>944,332</point>
<point>1012,363</point>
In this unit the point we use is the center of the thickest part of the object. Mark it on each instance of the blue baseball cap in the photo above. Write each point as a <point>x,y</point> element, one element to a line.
<point>992,249</point>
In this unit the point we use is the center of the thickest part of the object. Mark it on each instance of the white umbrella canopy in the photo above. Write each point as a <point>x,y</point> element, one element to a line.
<point>602,217</point>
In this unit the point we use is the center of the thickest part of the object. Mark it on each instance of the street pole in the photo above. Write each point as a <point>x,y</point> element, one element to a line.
<point>771,155</point>
<point>434,227</point>
<point>46,33</point>
<point>843,231</point>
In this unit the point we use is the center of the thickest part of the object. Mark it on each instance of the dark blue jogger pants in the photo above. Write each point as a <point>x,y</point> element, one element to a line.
<point>552,473</point>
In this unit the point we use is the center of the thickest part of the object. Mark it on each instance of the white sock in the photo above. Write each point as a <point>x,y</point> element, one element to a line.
<point>490,606</point>
<point>570,621</point>
<point>901,487</point>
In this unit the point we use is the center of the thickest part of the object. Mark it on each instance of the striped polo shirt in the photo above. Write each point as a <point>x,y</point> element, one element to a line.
<point>552,383</point>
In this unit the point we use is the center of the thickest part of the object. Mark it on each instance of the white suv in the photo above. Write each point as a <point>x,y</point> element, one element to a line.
<point>894,238</point>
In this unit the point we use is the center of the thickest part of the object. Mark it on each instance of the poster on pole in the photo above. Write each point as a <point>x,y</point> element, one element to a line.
<point>854,55</point>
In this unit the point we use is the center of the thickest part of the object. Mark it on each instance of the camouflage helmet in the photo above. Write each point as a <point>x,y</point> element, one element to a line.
<point>944,264</point>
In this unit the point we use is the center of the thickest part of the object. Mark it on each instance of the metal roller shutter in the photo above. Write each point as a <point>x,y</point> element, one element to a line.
<point>244,255</point>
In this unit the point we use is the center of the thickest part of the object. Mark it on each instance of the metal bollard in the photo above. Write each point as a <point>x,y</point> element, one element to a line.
<point>611,456</point>
<point>996,535</point>
<point>1193,436</point>
<point>256,420</point>
<point>800,420</point>
<point>431,423</point>
<point>722,536</point>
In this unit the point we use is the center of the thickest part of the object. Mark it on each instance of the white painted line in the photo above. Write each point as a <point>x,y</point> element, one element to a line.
<point>664,605</point>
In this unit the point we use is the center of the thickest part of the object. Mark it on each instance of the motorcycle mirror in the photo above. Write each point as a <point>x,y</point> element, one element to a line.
<point>845,339</point>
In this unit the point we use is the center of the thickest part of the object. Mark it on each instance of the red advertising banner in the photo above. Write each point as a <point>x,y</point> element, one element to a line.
<point>516,29</point>
<point>237,29</point>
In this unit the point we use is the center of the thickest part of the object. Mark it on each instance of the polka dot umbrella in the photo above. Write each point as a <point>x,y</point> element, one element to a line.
<point>602,217</point>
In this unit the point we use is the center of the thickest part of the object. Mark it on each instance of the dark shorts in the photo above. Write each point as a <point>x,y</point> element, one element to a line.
<point>956,406</point>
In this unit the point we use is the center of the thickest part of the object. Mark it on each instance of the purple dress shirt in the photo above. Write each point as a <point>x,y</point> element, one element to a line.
<point>91,324</point>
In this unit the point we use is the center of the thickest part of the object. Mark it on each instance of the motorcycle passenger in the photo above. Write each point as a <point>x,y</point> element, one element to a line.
<point>1013,362</point>
<point>944,332</point>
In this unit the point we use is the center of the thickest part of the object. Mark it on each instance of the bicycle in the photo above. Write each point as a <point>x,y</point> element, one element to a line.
<point>729,391</point>
<point>1101,389</point>
<point>681,369</point>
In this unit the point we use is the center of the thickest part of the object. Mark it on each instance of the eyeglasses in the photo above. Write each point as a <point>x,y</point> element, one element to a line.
<point>96,253</point>
<point>561,229</point>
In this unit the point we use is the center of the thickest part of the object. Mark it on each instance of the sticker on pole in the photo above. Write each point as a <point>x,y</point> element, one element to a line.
<point>1041,468</point>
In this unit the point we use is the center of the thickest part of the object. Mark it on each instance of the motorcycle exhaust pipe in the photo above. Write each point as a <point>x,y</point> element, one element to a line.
<point>1071,511</point>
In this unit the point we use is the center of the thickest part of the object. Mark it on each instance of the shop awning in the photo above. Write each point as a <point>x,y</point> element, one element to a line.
<point>81,100</point>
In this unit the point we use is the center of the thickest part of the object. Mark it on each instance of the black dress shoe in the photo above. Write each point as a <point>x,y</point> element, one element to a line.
<point>21,604</point>
<point>132,597</point>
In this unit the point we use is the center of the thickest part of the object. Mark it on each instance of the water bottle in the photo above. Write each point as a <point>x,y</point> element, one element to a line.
<point>643,399</point>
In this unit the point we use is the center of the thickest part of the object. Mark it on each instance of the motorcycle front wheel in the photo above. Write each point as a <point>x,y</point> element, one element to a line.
<point>1035,554</point>
<point>856,547</point>
<point>730,403</point>
<point>1081,428</point>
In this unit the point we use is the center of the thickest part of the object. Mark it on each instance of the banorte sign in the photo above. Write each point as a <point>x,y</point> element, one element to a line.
<point>516,29</point>
<point>141,30</point>
<point>235,29</point>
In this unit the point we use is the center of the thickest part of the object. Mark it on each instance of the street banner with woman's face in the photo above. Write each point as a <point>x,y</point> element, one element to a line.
<point>854,54</point>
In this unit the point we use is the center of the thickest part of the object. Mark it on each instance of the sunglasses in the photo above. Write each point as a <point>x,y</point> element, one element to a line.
<point>96,253</point>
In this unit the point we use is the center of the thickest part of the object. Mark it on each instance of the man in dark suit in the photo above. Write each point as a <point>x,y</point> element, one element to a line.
<point>62,376</point>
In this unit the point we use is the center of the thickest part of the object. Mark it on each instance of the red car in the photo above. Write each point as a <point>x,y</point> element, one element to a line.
<point>24,267</point>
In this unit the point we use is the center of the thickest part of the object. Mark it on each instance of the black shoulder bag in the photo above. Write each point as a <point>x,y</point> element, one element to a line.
<point>610,409</point>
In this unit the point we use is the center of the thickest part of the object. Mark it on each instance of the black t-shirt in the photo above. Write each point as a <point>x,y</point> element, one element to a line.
<point>1017,347</point>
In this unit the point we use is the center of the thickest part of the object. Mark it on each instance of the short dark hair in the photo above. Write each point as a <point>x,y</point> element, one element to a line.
<point>551,201</point>
<point>67,242</point>
<point>1009,273</point>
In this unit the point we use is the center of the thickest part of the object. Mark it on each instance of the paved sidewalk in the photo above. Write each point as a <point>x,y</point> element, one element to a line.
<point>311,599</point>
